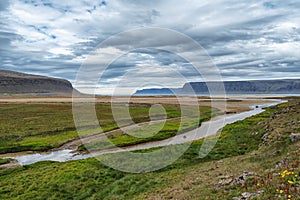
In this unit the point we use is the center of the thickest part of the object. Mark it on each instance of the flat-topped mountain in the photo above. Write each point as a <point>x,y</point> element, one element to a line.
<point>16,82</point>
<point>284,86</point>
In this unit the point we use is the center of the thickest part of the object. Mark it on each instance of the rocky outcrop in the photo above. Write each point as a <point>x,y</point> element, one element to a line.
<point>295,137</point>
<point>248,195</point>
<point>15,82</point>
<point>240,181</point>
<point>229,180</point>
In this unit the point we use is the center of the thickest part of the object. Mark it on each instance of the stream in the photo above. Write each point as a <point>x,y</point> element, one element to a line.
<point>208,128</point>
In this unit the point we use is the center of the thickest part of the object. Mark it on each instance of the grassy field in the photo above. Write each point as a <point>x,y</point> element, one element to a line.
<point>45,126</point>
<point>239,149</point>
<point>154,132</point>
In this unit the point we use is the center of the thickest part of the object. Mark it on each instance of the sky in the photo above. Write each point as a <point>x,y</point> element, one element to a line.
<point>246,40</point>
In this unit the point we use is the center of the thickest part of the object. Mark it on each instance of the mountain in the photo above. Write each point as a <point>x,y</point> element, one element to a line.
<point>16,82</point>
<point>284,86</point>
<point>158,91</point>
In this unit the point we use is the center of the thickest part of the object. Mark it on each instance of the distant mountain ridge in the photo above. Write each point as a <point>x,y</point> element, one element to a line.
<point>16,82</point>
<point>283,86</point>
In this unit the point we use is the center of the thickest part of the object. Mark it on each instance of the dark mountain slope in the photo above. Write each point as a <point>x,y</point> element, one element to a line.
<point>16,82</point>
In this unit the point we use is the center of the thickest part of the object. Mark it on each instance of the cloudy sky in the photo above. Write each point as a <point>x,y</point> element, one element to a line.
<point>251,39</point>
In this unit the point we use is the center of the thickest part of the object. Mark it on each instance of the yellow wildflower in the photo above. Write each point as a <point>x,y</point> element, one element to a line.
<point>280,191</point>
<point>290,182</point>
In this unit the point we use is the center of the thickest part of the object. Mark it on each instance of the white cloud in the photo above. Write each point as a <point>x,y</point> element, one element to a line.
<point>247,39</point>
<point>62,51</point>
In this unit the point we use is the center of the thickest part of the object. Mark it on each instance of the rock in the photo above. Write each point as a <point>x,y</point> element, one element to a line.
<point>282,163</point>
<point>255,133</point>
<point>229,180</point>
<point>225,180</point>
<point>292,123</point>
<point>242,178</point>
<point>270,170</point>
<point>248,195</point>
<point>264,138</point>
<point>295,137</point>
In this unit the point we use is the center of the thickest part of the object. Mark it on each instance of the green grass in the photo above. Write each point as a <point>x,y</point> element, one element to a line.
<point>89,179</point>
<point>154,132</point>
<point>4,161</point>
<point>190,177</point>
<point>41,126</point>
<point>45,126</point>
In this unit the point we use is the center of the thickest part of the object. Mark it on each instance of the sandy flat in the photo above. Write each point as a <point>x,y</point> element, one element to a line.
<point>220,103</point>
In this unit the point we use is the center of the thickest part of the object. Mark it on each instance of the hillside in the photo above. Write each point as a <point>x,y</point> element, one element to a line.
<point>231,87</point>
<point>20,83</point>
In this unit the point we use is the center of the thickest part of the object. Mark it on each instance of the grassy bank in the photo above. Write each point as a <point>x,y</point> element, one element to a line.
<point>240,147</point>
<point>4,161</point>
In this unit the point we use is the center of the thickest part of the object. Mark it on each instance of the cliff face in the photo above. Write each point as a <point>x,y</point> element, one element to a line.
<point>15,82</point>
<point>232,87</point>
<point>248,87</point>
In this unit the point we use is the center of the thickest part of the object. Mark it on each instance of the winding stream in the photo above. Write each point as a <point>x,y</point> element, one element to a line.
<point>206,129</point>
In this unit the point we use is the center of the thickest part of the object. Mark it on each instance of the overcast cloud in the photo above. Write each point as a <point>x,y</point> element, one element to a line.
<point>251,39</point>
